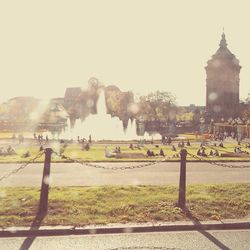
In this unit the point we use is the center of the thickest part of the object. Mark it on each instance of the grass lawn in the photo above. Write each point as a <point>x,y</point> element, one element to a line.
<point>8,135</point>
<point>81,206</point>
<point>19,152</point>
<point>97,153</point>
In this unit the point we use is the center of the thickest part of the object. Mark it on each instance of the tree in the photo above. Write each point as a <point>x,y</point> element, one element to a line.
<point>245,111</point>
<point>158,106</point>
<point>118,104</point>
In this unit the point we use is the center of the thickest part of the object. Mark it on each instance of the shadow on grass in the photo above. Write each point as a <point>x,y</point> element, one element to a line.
<point>34,226</point>
<point>203,232</point>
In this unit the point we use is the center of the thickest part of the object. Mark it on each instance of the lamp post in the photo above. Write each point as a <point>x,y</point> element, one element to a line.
<point>211,126</point>
<point>141,126</point>
<point>202,127</point>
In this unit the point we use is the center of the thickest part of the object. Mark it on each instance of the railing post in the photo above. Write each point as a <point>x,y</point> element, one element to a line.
<point>43,205</point>
<point>182,183</point>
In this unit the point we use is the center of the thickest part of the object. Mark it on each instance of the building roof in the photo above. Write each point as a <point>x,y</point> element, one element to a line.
<point>223,54</point>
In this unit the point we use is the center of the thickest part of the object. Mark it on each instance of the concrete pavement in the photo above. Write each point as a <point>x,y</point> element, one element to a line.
<point>73,174</point>
<point>195,240</point>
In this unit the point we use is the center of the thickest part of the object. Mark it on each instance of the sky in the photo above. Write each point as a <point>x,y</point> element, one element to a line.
<point>138,45</point>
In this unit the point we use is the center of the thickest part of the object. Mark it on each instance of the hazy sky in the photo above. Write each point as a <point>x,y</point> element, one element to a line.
<point>139,45</point>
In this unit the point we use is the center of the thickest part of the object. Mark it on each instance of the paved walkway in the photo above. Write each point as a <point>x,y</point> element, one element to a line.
<point>237,240</point>
<point>73,174</point>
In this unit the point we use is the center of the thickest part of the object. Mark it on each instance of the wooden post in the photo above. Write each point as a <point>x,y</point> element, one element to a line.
<point>182,183</point>
<point>43,205</point>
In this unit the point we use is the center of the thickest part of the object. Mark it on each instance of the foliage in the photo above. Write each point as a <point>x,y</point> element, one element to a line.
<point>186,116</point>
<point>19,108</point>
<point>158,106</point>
<point>118,103</point>
<point>245,111</point>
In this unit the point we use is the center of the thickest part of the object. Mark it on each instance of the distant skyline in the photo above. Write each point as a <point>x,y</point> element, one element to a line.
<point>138,45</point>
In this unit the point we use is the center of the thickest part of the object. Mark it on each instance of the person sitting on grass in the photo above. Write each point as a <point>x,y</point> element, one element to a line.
<point>173,148</point>
<point>117,150</point>
<point>11,151</point>
<point>161,153</point>
<point>26,154</point>
<point>216,153</point>
<point>188,143</point>
<point>221,144</point>
<point>211,153</point>
<point>176,156</point>
<point>87,146</point>
<point>199,152</point>
<point>150,153</point>
<point>238,150</point>
<point>131,146</point>
<point>109,154</point>
<point>203,153</point>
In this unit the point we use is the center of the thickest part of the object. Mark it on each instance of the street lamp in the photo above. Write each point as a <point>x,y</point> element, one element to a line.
<point>211,129</point>
<point>202,127</point>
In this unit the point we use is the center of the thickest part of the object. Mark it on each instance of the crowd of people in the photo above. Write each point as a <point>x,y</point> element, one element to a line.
<point>40,138</point>
<point>151,153</point>
<point>20,138</point>
<point>238,150</point>
<point>7,151</point>
<point>166,140</point>
<point>181,144</point>
<point>223,135</point>
<point>202,152</point>
<point>113,152</point>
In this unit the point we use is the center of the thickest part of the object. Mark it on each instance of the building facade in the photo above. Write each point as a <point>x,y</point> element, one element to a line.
<point>222,83</point>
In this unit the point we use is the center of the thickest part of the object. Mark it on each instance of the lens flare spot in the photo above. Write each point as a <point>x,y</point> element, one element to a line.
<point>217,108</point>
<point>213,96</point>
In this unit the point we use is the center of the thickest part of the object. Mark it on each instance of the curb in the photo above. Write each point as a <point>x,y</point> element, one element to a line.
<point>119,230</point>
<point>139,161</point>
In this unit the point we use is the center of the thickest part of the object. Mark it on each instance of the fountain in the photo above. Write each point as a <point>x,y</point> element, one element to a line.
<point>101,126</point>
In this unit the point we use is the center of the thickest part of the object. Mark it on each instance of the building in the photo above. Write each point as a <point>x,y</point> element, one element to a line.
<point>222,88</point>
<point>193,108</point>
<point>239,130</point>
<point>54,119</point>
